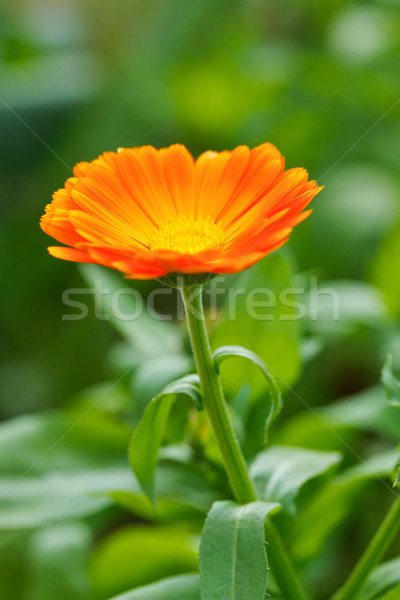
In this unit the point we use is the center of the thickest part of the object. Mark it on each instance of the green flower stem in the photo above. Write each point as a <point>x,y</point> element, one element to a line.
<point>213,399</point>
<point>373,554</point>
<point>234,462</point>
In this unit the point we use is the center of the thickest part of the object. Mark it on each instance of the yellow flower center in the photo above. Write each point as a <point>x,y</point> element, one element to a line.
<point>187,235</point>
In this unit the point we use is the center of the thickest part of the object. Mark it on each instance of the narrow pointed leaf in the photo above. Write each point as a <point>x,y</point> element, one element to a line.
<point>233,560</point>
<point>382,579</point>
<point>147,438</point>
<point>225,352</point>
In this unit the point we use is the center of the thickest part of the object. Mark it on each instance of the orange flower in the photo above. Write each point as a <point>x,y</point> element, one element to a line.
<point>149,212</point>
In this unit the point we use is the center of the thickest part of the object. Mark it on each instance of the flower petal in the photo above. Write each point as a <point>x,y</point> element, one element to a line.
<point>70,254</point>
<point>178,165</point>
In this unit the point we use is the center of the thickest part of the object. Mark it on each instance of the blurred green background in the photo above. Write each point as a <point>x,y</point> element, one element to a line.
<point>319,80</point>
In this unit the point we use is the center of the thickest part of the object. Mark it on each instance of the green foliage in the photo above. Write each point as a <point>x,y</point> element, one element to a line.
<point>280,472</point>
<point>358,305</point>
<point>58,466</point>
<point>384,578</point>
<point>392,595</point>
<point>86,79</point>
<point>252,327</point>
<point>339,502</point>
<point>329,427</point>
<point>384,271</point>
<point>137,555</point>
<point>145,442</point>
<point>233,560</point>
<point>58,556</point>
<point>146,335</point>
<point>225,352</point>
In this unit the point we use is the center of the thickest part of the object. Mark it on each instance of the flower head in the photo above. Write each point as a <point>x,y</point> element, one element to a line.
<point>149,212</point>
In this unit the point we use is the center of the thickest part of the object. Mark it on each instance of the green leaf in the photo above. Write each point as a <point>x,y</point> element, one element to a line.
<point>182,587</point>
<point>233,560</point>
<point>57,466</point>
<point>392,387</point>
<point>153,375</point>
<point>382,579</point>
<point>188,385</point>
<point>165,511</point>
<point>368,410</point>
<point>257,309</point>
<point>186,484</point>
<point>12,556</point>
<point>352,190</point>
<point>182,491</point>
<point>338,308</point>
<point>279,472</point>
<point>338,501</point>
<point>143,333</point>
<point>62,466</point>
<point>225,352</point>
<point>391,383</point>
<point>57,557</point>
<point>385,273</point>
<point>394,594</point>
<point>139,554</point>
<point>147,437</point>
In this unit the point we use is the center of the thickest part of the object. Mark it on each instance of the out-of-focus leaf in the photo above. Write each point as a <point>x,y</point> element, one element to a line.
<point>57,466</point>
<point>382,579</point>
<point>137,555</point>
<point>225,352</point>
<point>57,563</point>
<point>233,560</point>
<point>391,383</point>
<point>337,502</point>
<point>183,493</point>
<point>182,587</point>
<point>146,440</point>
<point>350,197</point>
<point>185,484</point>
<point>61,466</point>
<point>337,308</point>
<point>345,34</point>
<point>166,510</point>
<point>115,398</point>
<point>394,594</point>
<point>368,410</point>
<point>43,79</point>
<point>256,316</point>
<point>123,305</point>
<point>153,375</point>
<point>279,472</point>
<point>385,273</point>
<point>12,555</point>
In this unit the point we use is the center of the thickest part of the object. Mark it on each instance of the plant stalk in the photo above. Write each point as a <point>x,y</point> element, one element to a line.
<point>373,554</point>
<point>233,459</point>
